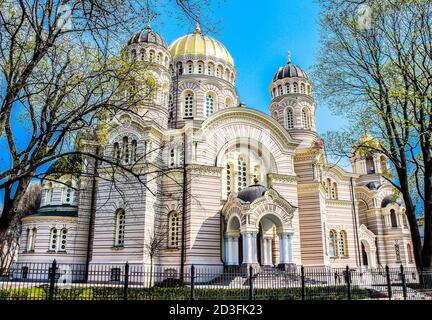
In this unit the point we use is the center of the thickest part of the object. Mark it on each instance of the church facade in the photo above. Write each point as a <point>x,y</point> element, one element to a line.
<point>220,184</point>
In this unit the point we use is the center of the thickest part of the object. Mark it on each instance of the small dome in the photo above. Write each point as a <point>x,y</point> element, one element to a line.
<point>289,71</point>
<point>197,44</point>
<point>251,193</point>
<point>390,199</point>
<point>373,186</point>
<point>147,35</point>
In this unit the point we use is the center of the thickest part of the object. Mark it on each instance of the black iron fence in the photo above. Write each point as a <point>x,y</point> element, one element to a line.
<point>39,281</point>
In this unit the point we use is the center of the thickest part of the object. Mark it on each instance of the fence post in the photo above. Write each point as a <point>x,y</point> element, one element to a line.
<point>193,282</point>
<point>389,290</point>
<point>52,274</point>
<point>404,285</point>
<point>348,282</point>
<point>250,283</point>
<point>126,282</point>
<point>303,289</point>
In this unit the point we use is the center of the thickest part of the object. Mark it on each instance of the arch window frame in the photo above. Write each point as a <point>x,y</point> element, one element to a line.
<point>306,123</point>
<point>188,104</point>
<point>173,229</point>
<point>210,104</point>
<point>242,172</point>
<point>48,193</point>
<point>119,228</point>
<point>343,244</point>
<point>398,256</point>
<point>393,218</point>
<point>332,243</point>
<point>289,114</point>
<point>53,243</point>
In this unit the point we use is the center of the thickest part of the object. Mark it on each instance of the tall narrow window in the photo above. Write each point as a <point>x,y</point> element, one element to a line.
<point>119,227</point>
<point>180,68</point>
<point>63,239</point>
<point>48,193</point>
<point>290,118</point>
<point>173,231</point>
<point>370,165</point>
<point>209,109</point>
<point>188,105</point>
<point>152,55</point>
<point>327,188</point>
<point>229,172</point>
<point>302,88</point>
<point>393,218</point>
<point>280,88</point>
<point>126,150</point>
<point>397,253</point>
<point>305,118</point>
<point>32,239</point>
<point>189,67</point>
<point>116,152</point>
<point>210,69</point>
<point>134,151</point>
<point>343,251</point>
<point>295,88</point>
<point>332,243</point>
<point>288,88</point>
<point>173,158</point>
<point>142,54</point>
<point>257,172</point>
<point>68,193</point>
<point>334,193</point>
<point>241,173</point>
<point>200,67</point>
<point>228,103</point>
<point>53,240</point>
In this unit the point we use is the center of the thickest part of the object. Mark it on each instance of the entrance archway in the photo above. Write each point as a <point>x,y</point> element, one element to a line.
<point>233,243</point>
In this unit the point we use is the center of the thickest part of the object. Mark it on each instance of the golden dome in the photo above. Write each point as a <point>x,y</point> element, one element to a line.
<point>197,44</point>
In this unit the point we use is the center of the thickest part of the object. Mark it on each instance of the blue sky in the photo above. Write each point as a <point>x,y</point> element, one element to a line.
<point>259,37</point>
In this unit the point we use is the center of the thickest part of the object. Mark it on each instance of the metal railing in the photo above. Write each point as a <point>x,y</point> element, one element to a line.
<point>41,281</point>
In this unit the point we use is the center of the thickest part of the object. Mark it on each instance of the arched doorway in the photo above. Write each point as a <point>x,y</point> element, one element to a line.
<point>364,255</point>
<point>233,243</point>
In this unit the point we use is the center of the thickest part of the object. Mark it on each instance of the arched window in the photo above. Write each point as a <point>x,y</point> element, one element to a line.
<point>53,240</point>
<point>119,227</point>
<point>289,118</point>
<point>142,54</point>
<point>397,252</point>
<point>173,158</point>
<point>332,243</point>
<point>159,58</point>
<point>228,103</point>
<point>295,87</point>
<point>31,239</point>
<point>226,76</point>
<point>302,88</point>
<point>309,89</point>
<point>280,88</point>
<point>189,67</point>
<point>63,239</point>
<point>288,88</point>
<point>405,219</point>
<point>171,107</point>
<point>134,151</point>
<point>152,55</point>
<point>210,69</point>
<point>257,172</point>
<point>180,68</point>
<point>48,193</point>
<point>133,55</point>
<point>241,173</point>
<point>116,152</point>
<point>188,104</point>
<point>219,71</point>
<point>68,193</point>
<point>210,105</point>
<point>126,150</point>
<point>383,164</point>
<point>229,177</point>
<point>327,187</point>
<point>274,92</point>
<point>334,193</point>
<point>393,218</point>
<point>305,118</point>
<point>200,66</point>
<point>370,165</point>
<point>173,229</point>
<point>343,250</point>
<point>409,252</point>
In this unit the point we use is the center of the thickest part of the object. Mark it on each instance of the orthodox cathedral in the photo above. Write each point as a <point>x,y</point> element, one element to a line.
<point>220,184</point>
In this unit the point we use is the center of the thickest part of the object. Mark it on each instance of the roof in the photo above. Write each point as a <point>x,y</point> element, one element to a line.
<point>147,35</point>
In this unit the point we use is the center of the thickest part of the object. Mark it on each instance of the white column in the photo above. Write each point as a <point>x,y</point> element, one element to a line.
<point>269,251</point>
<point>235,250</point>
<point>228,249</point>
<point>254,258</point>
<point>245,236</point>
<point>284,249</point>
<point>290,248</point>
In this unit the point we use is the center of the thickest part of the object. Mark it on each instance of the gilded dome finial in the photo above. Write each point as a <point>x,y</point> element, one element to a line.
<point>197,28</point>
<point>289,56</point>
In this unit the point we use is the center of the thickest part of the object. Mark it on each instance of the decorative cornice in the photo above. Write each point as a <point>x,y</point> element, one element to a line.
<point>202,170</point>
<point>44,219</point>
<point>338,203</point>
<point>282,178</point>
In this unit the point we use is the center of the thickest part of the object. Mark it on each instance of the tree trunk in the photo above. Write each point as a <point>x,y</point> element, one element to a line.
<point>427,241</point>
